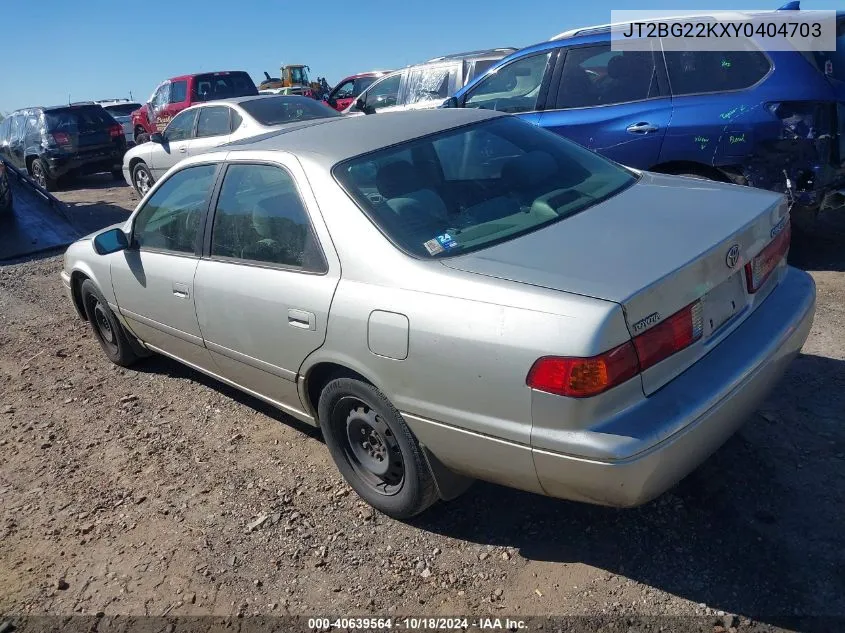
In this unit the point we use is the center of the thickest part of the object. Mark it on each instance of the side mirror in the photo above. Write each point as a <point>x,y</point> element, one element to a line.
<point>451,102</point>
<point>111,242</point>
<point>157,137</point>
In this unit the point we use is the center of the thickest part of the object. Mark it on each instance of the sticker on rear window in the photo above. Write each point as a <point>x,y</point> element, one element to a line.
<point>433,247</point>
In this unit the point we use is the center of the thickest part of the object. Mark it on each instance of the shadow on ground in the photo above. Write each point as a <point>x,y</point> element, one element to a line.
<point>817,253</point>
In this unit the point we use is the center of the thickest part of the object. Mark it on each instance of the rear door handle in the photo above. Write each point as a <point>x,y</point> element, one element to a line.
<point>642,128</point>
<point>181,290</point>
<point>302,319</point>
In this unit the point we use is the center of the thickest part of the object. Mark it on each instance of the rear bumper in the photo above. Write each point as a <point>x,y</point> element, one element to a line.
<point>59,166</point>
<point>708,402</point>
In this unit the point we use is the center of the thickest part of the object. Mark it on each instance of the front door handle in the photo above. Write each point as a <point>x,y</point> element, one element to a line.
<point>181,290</point>
<point>642,128</point>
<point>183,148</point>
<point>302,319</point>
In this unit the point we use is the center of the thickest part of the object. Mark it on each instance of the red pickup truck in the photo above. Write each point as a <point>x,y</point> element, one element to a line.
<point>174,95</point>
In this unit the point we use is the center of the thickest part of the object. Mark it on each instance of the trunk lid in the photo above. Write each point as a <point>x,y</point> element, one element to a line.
<point>655,248</point>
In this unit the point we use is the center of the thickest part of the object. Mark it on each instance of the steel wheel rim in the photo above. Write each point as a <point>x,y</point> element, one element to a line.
<point>369,446</point>
<point>102,325</point>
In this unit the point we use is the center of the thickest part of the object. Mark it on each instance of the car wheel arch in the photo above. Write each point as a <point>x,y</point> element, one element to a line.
<point>77,278</point>
<point>320,373</point>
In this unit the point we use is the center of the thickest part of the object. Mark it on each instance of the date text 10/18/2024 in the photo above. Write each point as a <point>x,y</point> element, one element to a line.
<point>415,624</point>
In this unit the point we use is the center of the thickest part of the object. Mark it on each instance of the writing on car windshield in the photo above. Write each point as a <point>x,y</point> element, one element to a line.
<point>473,186</point>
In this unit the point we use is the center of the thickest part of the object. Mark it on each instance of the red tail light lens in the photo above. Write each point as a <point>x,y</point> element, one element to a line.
<point>757,271</point>
<point>584,377</point>
<point>679,331</point>
<point>62,139</point>
<point>115,131</point>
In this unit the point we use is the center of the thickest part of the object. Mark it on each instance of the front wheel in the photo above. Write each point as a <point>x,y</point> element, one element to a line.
<point>142,179</point>
<point>107,329</point>
<point>374,449</point>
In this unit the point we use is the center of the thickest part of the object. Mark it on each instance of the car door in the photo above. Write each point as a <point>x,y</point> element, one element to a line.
<point>153,280</point>
<point>519,87</point>
<point>174,145</point>
<point>17,142</point>
<point>616,103</point>
<point>264,290</point>
<point>213,128</point>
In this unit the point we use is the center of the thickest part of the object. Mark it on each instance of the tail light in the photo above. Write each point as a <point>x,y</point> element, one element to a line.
<point>115,131</point>
<point>757,271</point>
<point>586,377</point>
<point>62,139</point>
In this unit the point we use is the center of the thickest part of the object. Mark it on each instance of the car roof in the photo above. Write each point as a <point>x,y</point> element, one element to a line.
<point>212,72</point>
<point>480,54</point>
<point>370,73</point>
<point>332,140</point>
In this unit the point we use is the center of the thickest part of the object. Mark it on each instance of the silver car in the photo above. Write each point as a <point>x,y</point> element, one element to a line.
<point>203,127</point>
<point>121,111</point>
<point>456,294</point>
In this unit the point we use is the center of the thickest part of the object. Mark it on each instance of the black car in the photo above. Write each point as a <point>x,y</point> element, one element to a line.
<point>69,140</point>
<point>5,191</point>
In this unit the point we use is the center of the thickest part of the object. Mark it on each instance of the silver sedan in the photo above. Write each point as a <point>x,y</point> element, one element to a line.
<point>456,294</point>
<point>204,127</point>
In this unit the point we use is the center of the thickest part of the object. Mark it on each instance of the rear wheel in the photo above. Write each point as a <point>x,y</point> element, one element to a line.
<point>374,449</point>
<point>107,329</point>
<point>39,173</point>
<point>142,179</point>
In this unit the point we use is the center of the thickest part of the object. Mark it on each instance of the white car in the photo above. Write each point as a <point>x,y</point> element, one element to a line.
<point>203,127</point>
<point>121,111</point>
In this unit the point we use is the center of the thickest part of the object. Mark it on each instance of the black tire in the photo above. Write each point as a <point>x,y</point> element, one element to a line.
<point>387,467</point>
<point>140,175</point>
<point>107,329</point>
<point>141,138</point>
<point>40,174</point>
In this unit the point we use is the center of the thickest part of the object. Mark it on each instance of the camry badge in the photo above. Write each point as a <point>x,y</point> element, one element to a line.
<point>733,256</point>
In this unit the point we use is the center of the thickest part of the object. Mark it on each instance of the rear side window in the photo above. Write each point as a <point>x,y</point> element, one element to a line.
<point>213,121</point>
<point>694,72</point>
<point>596,75</point>
<point>178,91</point>
<point>18,122</point>
<point>260,217</point>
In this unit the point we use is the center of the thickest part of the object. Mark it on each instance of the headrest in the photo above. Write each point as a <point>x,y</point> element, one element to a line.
<point>529,169</point>
<point>397,179</point>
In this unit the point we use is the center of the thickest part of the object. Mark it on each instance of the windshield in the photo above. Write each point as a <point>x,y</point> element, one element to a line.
<point>224,86</point>
<point>477,185</point>
<point>123,109</point>
<point>282,109</point>
<point>298,75</point>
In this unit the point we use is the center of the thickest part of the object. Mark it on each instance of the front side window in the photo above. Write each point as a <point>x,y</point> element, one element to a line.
<point>18,122</point>
<point>213,121</point>
<point>181,128</point>
<point>384,93</point>
<point>161,96</point>
<point>346,90</point>
<point>170,220</point>
<point>512,88</point>
<point>597,75</point>
<point>260,217</point>
<point>694,72</point>
<point>474,186</point>
<point>178,91</point>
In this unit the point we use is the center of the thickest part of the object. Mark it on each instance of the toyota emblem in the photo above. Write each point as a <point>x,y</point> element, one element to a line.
<point>733,256</point>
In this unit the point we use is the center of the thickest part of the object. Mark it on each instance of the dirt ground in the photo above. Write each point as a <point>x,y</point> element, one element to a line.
<point>133,492</point>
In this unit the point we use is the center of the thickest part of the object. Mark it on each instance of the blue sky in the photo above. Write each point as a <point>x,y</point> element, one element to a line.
<point>98,49</point>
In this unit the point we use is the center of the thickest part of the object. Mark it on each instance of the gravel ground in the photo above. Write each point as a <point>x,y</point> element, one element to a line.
<point>157,491</point>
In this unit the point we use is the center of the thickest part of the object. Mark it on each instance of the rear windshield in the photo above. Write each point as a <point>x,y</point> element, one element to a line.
<point>282,109</point>
<point>78,119</point>
<point>122,109</point>
<point>474,186</point>
<point>223,86</point>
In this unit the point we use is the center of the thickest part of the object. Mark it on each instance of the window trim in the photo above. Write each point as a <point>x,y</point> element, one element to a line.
<point>212,213</point>
<point>663,87</point>
<point>200,239</point>
<point>718,92</point>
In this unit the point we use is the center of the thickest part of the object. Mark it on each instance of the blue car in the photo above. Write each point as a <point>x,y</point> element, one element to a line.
<point>767,119</point>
